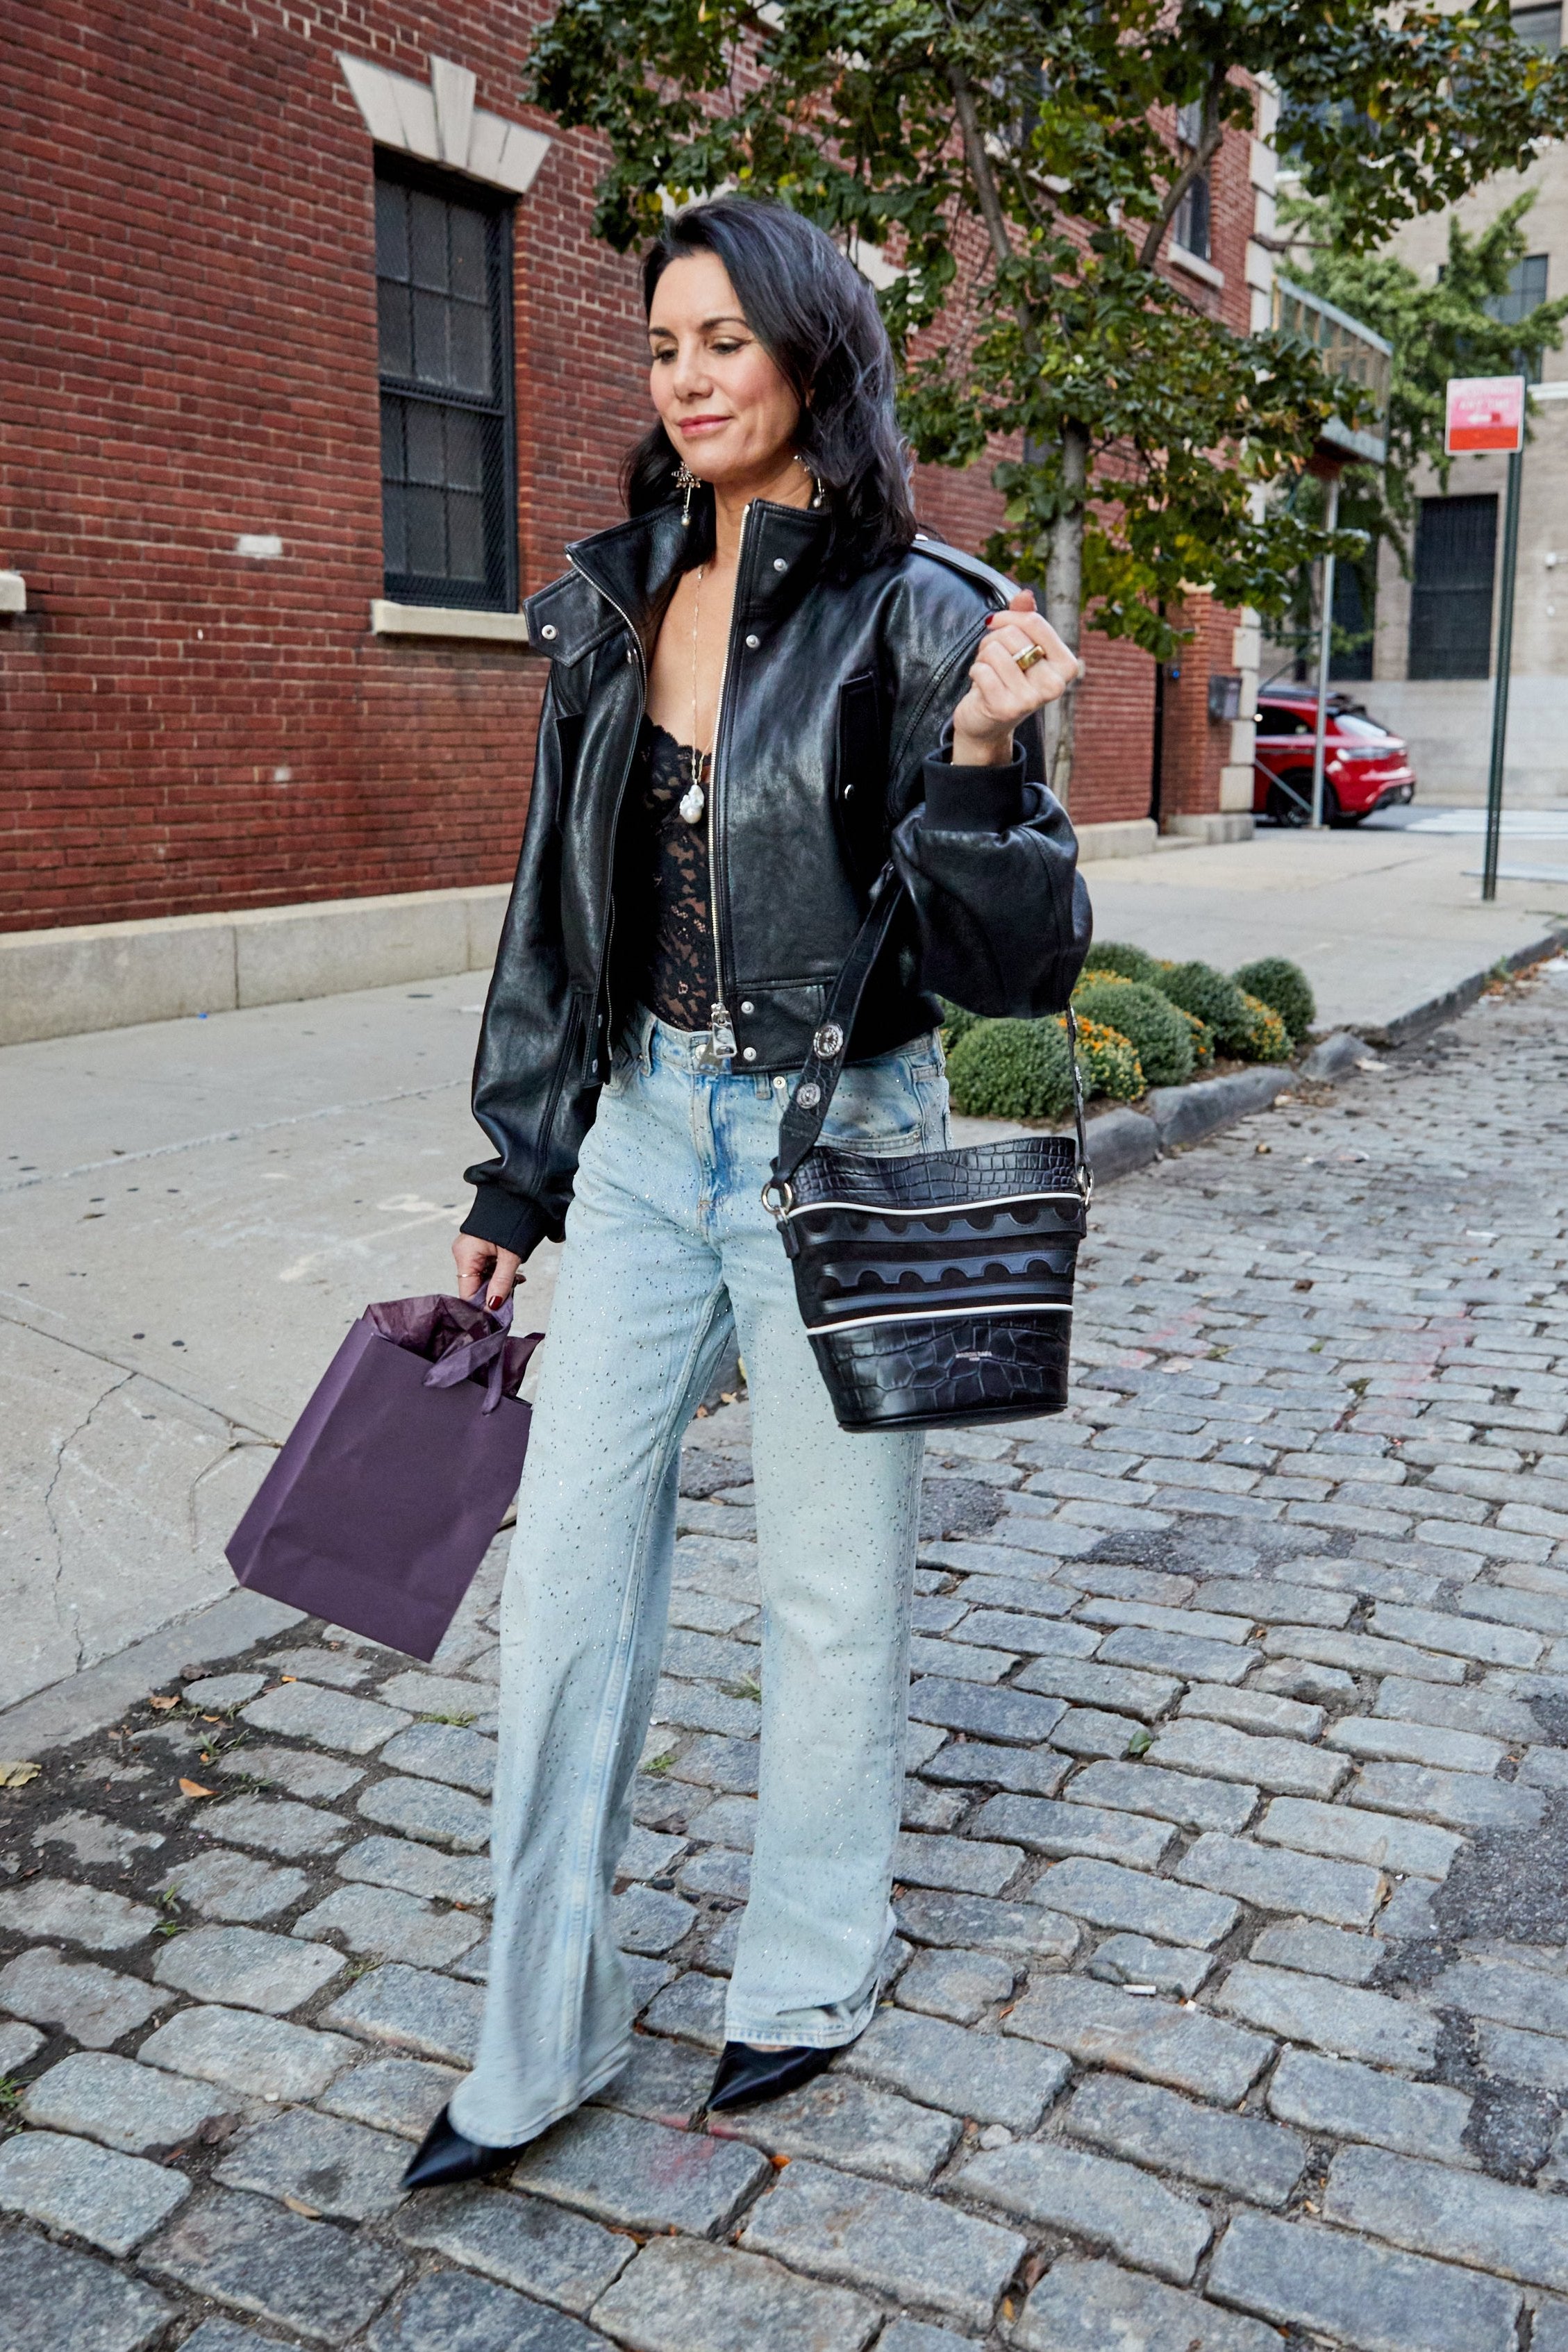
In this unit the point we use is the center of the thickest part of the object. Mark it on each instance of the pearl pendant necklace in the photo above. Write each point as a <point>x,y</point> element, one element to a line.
<point>694,799</point>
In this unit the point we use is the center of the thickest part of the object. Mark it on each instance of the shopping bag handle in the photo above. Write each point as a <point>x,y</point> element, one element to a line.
<point>490,1348</point>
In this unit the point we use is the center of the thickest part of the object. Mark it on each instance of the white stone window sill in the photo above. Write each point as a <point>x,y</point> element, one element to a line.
<point>389,620</point>
<point>1195,267</point>
<point>13,592</point>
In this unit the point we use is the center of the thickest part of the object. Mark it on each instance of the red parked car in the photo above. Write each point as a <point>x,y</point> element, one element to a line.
<point>1364,767</point>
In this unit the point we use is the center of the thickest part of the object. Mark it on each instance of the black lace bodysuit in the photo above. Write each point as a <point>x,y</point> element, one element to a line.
<point>663,921</point>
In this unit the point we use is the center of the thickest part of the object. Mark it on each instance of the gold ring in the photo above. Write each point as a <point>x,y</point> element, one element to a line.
<point>1029,656</point>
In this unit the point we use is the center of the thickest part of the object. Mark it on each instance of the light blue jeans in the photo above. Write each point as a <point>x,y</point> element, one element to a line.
<point>669,1256</point>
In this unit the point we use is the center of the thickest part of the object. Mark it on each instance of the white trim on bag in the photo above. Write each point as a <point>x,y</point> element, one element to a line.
<point>952,1208</point>
<point>936,1315</point>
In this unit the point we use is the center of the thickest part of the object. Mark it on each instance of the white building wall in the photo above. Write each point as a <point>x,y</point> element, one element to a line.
<point>1447,721</point>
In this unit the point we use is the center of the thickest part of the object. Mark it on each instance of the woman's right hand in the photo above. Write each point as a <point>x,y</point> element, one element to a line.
<point>480,1262</point>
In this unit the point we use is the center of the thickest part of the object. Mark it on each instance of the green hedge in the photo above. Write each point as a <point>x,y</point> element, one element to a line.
<point>1019,1069</point>
<point>1108,1062</point>
<point>1129,963</point>
<point>1268,1039</point>
<point>1284,986</point>
<point>1203,1041</point>
<point>1010,1069</point>
<point>1160,1031</point>
<point>1198,988</point>
<point>1140,1022</point>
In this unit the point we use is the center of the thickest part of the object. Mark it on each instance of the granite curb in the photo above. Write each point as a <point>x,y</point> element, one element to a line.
<point>99,1696</point>
<point>1438,1009</point>
<point>1124,1139</point>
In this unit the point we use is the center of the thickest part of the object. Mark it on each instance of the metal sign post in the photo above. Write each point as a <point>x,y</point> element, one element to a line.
<point>1487,413</point>
<point>1504,663</point>
<point>1325,652</point>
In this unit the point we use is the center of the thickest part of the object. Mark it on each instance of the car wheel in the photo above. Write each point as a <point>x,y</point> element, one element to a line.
<point>1289,799</point>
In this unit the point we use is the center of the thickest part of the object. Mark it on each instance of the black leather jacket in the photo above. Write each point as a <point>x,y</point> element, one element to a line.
<point>836,701</point>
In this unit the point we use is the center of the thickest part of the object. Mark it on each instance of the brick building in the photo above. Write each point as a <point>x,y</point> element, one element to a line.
<point>261,556</point>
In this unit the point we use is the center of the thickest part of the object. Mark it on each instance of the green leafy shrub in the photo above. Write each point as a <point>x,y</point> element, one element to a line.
<point>956,1023</point>
<point>1285,988</point>
<point>1159,1031</point>
<point>1109,1060</point>
<point>1198,988</point>
<point>1131,963</point>
<point>1011,1069</point>
<point>1203,1041</point>
<point>1019,1069</point>
<point>1268,1040</point>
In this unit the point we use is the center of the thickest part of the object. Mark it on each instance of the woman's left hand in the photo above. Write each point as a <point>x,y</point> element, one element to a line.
<point>1001,695</point>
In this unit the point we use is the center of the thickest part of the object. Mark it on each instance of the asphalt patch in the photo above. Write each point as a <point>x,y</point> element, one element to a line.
<point>703,1473</point>
<point>1510,2129</point>
<point>1413,1962</point>
<point>1510,1883</point>
<point>952,1507</point>
<point>1205,1547</point>
<point>1552,1714</point>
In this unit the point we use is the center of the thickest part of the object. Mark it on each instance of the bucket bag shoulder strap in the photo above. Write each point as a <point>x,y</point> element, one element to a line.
<point>811,1096</point>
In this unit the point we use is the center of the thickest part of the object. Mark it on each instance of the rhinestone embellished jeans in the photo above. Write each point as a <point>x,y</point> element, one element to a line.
<point>669,1257</point>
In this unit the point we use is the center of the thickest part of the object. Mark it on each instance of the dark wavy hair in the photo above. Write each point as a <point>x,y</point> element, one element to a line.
<point>817,319</point>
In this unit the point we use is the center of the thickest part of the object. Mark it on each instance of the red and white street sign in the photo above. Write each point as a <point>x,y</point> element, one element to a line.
<point>1485,412</point>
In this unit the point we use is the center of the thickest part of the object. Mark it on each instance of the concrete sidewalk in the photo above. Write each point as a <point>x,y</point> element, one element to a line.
<point>191,1214</point>
<point>1385,921</point>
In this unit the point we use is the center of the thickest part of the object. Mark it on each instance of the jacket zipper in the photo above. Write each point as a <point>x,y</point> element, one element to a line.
<point>602,992</point>
<point>720,1021</point>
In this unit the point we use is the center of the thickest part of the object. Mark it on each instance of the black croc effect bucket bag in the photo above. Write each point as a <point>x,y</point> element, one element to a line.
<point>936,1289</point>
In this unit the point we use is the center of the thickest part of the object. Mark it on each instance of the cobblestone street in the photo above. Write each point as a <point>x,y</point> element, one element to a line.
<point>1229,2008</point>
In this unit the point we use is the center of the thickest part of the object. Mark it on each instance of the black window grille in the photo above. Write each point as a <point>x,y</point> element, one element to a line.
<point>1355,608</point>
<point>1191,226</point>
<point>1526,290</point>
<point>443,259</point>
<point>1451,597</point>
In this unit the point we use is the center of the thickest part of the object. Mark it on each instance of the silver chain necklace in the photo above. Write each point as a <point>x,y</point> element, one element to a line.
<point>694,800</point>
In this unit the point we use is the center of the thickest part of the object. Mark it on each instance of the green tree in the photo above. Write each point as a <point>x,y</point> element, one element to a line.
<point>1448,328</point>
<point>1067,134</point>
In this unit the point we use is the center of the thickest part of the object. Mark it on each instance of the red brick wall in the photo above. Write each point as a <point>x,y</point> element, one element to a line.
<point>193,354</point>
<point>1113,742</point>
<point>1195,746</point>
<point>192,271</point>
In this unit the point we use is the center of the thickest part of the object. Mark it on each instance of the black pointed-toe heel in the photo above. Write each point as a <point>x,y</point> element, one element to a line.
<point>747,2077</point>
<point>445,2157</point>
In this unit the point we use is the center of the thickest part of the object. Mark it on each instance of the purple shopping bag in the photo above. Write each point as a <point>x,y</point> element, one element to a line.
<point>396,1475</point>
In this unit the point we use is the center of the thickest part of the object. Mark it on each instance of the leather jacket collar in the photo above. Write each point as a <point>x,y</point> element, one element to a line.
<point>635,566</point>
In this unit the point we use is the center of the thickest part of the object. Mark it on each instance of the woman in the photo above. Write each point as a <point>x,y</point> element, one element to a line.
<point>759,683</point>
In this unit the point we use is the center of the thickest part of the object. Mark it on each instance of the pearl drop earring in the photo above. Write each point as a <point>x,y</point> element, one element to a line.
<point>818,491</point>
